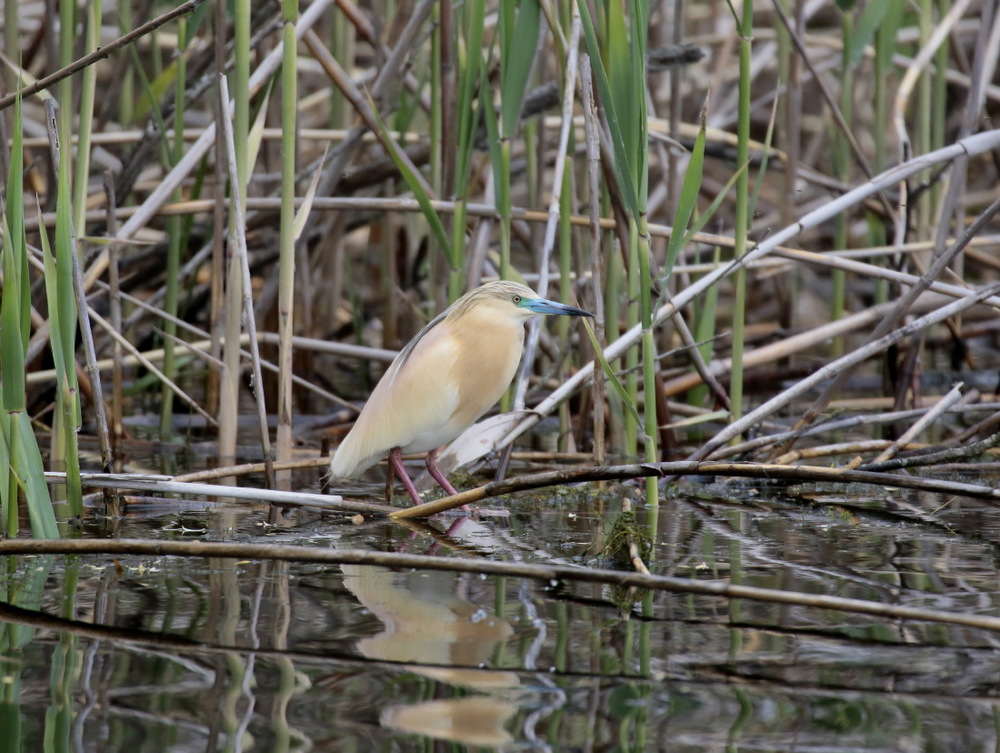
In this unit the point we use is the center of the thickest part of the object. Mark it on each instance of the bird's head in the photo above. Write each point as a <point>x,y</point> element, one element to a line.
<point>512,299</point>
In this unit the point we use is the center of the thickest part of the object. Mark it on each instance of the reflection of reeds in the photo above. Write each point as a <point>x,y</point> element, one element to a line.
<point>442,178</point>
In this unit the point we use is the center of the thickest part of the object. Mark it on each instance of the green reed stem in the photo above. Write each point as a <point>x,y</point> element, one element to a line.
<point>841,164</point>
<point>230,386</point>
<point>566,203</point>
<point>88,85</point>
<point>286,262</point>
<point>518,37</point>
<point>21,469</point>
<point>923,211</point>
<point>745,29</point>
<point>467,117</point>
<point>174,238</point>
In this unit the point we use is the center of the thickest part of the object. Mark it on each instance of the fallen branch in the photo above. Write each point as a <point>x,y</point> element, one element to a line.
<point>768,471</point>
<point>285,553</point>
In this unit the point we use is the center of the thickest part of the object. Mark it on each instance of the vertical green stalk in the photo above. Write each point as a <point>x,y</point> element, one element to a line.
<point>126,99</point>
<point>436,124</point>
<point>885,47</point>
<point>342,47</point>
<point>21,467</point>
<point>503,205</point>
<point>63,321</point>
<point>923,211</point>
<point>648,367</point>
<point>518,37</point>
<point>88,79</point>
<point>622,86</point>
<point>632,354</point>
<point>229,394</point>
<point>286,263</point>
<point>841,163</point>
<point>469,59</point>
<point>745,29</point>
<point>67,417</point>
<point>640,124</point>
<point>613,298</point>
<point>67,36</point>
<point>566,202</point>
<point>175,235</point>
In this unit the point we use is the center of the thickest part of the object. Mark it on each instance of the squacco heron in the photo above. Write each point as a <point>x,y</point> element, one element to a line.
<point>446,377</point>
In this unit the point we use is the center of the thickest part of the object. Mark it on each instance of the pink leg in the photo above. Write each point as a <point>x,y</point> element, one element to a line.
<point>433,469</point>
<point>397,463</point>
<point>436,474</point>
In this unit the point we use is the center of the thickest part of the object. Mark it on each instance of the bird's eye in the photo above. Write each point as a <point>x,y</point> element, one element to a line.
<point>515,299</point>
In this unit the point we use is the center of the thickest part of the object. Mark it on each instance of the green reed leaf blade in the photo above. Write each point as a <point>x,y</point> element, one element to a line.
<point>518,52</point>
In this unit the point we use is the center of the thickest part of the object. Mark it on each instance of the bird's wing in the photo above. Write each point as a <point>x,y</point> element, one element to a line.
<point>409,404</point>
<point>421,393</point>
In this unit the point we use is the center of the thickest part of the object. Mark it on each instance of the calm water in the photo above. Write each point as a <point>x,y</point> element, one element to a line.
<point>146,654</point>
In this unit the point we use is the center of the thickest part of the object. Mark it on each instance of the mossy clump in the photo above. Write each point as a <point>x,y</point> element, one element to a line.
<point>625,532</point>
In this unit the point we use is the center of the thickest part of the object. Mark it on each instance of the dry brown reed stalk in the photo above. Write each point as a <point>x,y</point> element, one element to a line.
<point>844,448</point>
<point>940,457</point>
<point>245,469</point>
<point>919,426</point>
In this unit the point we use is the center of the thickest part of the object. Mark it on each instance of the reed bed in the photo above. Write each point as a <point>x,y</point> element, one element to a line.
<point>775,210</point>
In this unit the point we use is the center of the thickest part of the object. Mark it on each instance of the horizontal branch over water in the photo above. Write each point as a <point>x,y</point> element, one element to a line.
<point>286,553</point>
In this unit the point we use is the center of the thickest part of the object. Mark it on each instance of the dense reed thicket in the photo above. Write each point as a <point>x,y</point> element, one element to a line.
<point>779,212</point>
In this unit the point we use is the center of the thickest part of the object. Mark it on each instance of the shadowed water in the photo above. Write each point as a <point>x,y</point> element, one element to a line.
<point>186,654</point>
